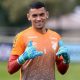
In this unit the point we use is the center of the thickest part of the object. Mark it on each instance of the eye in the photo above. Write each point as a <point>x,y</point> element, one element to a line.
<point>34,15</point>
<point>42,14</point>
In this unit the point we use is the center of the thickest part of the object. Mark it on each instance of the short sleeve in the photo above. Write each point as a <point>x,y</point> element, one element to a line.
<point>18,45</point>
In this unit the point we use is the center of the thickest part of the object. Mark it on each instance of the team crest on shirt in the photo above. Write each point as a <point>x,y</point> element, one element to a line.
<point>54,42</point>
<point>54,45</point>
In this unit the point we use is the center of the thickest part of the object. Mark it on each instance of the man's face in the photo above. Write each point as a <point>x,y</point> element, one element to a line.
<point>38,17</point>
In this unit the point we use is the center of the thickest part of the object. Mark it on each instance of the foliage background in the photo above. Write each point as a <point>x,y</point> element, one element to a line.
<point>13,12</point>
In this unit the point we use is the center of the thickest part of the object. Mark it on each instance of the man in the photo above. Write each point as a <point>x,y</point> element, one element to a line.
<point>36,49</point>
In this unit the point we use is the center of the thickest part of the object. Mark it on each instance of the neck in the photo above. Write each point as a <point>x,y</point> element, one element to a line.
<point>41,30</point>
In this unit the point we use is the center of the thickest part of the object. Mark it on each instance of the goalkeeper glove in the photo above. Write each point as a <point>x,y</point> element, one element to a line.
<point>29,53</point>
<point>63,51</point>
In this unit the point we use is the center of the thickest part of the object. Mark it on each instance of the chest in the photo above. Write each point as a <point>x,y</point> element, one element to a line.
<point>45,43</point>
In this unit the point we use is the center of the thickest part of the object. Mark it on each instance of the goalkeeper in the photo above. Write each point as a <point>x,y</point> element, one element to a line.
<point>36,49</point>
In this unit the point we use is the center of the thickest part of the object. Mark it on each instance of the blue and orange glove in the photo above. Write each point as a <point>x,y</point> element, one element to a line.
<point>29,53</point>
<point>63,51</point>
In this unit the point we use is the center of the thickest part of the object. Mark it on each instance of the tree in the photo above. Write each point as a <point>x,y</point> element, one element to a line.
<point>16,9</point>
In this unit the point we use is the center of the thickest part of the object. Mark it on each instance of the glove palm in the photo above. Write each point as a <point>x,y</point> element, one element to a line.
<point>63,51</point>
<point>29,53</point>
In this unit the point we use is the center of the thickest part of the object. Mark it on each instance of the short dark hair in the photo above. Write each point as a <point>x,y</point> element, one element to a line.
<point>37,5</point>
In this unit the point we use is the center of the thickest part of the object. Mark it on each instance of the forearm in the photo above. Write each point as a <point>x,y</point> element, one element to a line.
<point>61,66</point>
<point>13,65</point>
<point>16,61</point>
<point>62,58</point>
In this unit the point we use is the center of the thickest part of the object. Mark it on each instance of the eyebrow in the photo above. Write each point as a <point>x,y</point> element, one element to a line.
<point>35,15</point>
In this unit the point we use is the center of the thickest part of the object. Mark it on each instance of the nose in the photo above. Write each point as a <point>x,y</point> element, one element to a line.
<point>38,18</point>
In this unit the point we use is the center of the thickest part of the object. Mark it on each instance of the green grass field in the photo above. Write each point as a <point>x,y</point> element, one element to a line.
<point>73,73</point>
<point>4,75</point>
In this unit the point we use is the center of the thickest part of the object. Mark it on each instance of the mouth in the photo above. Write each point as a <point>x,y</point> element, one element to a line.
<point>39,23</point>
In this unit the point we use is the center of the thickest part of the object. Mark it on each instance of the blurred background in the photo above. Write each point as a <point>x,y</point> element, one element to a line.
<point>64,18</point>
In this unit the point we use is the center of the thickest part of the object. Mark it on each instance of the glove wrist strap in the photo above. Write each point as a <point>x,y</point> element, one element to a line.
<point>21,60</point>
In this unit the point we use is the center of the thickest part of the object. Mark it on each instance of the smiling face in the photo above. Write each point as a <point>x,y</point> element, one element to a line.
<point>38,17</point>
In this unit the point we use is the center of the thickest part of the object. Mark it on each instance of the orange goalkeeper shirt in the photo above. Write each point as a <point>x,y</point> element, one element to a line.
<point>42,67</point>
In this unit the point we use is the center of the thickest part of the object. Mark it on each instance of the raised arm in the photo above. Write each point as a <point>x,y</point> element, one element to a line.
<point>13,65</point>
<point>62,58</point>
<point>15,61</point>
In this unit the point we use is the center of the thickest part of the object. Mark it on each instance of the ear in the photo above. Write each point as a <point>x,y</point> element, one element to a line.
<point>47,14</point>
<point>28,16</point>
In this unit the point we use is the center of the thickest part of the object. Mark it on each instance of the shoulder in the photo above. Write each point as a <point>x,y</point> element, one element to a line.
<point>54,34</point>
<point>23,32</point>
